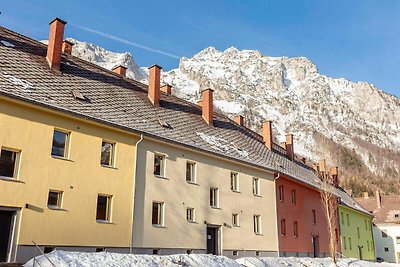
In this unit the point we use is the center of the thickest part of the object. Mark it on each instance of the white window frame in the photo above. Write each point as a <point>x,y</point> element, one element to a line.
<point>67,143</point>
<point>215,197</point>
<point>193,173</point>
<point>235,222</point>
<point>112,153</point>
<point>108,208</point>
<point>163,164</point>
<point>235,182</point>
<point>16,164</point>
<point>257,224</point>
<point>193,215</point>
<point>161,213</point>
<point>256,187</point>
<point>59,200</point>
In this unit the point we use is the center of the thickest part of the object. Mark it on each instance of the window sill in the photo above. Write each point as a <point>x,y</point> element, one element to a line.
<point>55,208</point>
<point>158,226</point>
<point>104,222</point>
<point>194,222</point>
<point>10,179</point>
<point>215,208</point>
<point>235,225</point>
<point>257,195</point>
<point>61,158</point>
<point>258,234</point>
<point>108,167</point>
<point>236,191</point>
<point>192,183</point>
<point>161,177</point>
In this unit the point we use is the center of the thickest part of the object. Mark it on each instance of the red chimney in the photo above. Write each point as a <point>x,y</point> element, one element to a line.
<point>267,134</point>
<point>322,165</point>
<point>335,176</point>
<point>290,146</point>
<point>166,89</point>
<point>207,105</point>
<point>154,84</point>
<point>67,47</point>
<point>54,46</point>
<point>239,119</point>
<point>120,70</point>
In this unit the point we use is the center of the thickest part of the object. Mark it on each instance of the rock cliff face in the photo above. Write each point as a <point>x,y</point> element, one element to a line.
<point>353,124</point>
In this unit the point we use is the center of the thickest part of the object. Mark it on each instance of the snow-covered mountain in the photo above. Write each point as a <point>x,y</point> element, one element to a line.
<point>352,124</point>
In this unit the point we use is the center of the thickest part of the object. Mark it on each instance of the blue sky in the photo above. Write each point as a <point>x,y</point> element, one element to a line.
<point>355,39</point>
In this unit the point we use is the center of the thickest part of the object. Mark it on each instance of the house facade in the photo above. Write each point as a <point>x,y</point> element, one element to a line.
<point>386,225</point>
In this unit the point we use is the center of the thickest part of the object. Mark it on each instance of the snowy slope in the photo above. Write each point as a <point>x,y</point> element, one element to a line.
<point>325,114</point>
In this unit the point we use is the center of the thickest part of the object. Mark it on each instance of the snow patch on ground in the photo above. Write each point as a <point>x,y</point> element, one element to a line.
<point>6,43</point>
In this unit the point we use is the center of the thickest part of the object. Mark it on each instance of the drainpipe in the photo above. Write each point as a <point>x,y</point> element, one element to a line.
<point>276,210</point>
<point>134,189</point>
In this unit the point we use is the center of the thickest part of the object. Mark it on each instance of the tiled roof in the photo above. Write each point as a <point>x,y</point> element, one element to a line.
<point>123,103</point>
<point>346,200</point>
<point>390,206</point>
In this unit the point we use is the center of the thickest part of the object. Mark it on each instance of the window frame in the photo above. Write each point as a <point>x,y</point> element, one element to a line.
<point>256,187</point>
<point>257,224</point>
<point>16,163</point>
<point>162,165</point>
<point>295,229</point>
<point>314,214</point>
<point>193,178</point>
<point>214,197</point>
<point>235,220</point>
<point>235,182</point>
<point>193,215</point>
<point>161,213</point>
<point>281,193</point>
<point>283,227</point>
<point>348,219</point>
<point>112,153</point>
<point>66,146</point>
<point>108,212</point>
<point>59,199</point>
<point>293,194</point>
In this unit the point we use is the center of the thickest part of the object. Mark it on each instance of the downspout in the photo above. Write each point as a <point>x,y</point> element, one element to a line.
<point>134,189</point>
<point>276,210</point>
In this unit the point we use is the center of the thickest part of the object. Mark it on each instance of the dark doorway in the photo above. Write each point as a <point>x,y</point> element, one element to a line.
<point>315,246</point>
<point>212,240</point>
<point>360,252</point>
<point>6,218</point>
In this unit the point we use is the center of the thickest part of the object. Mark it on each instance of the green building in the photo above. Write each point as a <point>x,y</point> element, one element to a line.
<point>355,230</point>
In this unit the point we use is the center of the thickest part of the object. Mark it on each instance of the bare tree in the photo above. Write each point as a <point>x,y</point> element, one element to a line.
<point>329,180</point>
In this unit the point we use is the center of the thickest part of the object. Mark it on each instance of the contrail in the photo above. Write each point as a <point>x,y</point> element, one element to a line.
<point>116,38</point>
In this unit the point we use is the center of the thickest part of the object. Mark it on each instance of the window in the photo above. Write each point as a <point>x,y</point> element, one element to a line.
<point>234,252</point>
<point>314,216</point>
<point>8,163</point>
<point>234,182</point>
<point>281,193</point>
<point>384,233</point>
<point>358,232</point>
<point>386,249</point>
<point>337,235</point>
<point>342,217</point>
<point>190,214</point>
<point>235,219</point>
<point>48,249</point>
<point>350,246</point>
<point>214,197</point>
<point>294,197</point>
<point>258,253</point>
<point>295,229</point>
<point>100,249</point>
<point>103,208</point>
<point>189,251</point>
<point>344,243</point>
<point>54,199</point>
<point>348,219</point>
<point>190,172</point>
<point>156,251</point>
<point>107,154</point>
<point>159,162</point>
<point>368,245</point>
<point>398,239</point>
<point>257,224</point>
<point>396,215</point>
<point>366,225</point>
<point>256,186</point>
<point>158,213</point>
<point>283,227</point>
<point>60,144</point>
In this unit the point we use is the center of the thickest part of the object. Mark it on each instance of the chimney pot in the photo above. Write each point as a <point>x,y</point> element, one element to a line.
<point>120,70</point>
<point>154,84</point>
<point>166,89</point>
<point>289,146</point>
<point>267,134</point>
<point>335,176</point>
<point>207,105</point>
<point>54,46</point>
<point>199,102</point>
<point>239,119</point>
<point>322,165</point>
<point>67,47</point>
<point>378,199</point>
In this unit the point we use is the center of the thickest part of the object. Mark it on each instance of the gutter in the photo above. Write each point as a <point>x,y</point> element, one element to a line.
<point>277,176</point>
<point>134,190</point>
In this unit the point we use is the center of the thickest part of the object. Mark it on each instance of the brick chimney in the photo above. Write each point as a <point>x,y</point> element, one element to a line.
<point>335,176</point>
<point>67,47</point>
<point>54,46</point>
<point>120,70</point>
<point>322,165</point>
<point>166,89</point>
<point>207,105</point>
<point>154,84</point>
<point>267,134</point>
<point>378,199</point>
<point>239,119</point>
<point>290,146</point>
